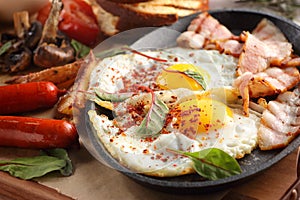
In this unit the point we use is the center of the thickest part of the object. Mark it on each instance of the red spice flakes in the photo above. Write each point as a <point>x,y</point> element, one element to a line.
<point>174,97</point>
<point>149,139</point>
<point>96,84</point>
<point>145,151</point>
<point>207,126</point>
<point>289,134</point>
<point>123,134</point>
<point>114,77</point>
<point>164,131</point>
<point>174,165</point>
<point>195,119</point>
<point>191,54</point>
<point>132,148</point>
<point>158,156</point>
<point>190,132</point>
<point>111,140</point>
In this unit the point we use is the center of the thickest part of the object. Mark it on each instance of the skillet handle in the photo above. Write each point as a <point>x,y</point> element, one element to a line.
<point>293,193</point>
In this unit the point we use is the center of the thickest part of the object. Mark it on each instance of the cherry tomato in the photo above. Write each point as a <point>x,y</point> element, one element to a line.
<point>77,20</point>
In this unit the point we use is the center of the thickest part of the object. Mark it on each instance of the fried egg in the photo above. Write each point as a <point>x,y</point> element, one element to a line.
<point>199,115</point>
<point>121,73</point>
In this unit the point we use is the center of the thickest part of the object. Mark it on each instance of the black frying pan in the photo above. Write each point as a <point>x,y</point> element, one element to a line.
<point>236,20</point>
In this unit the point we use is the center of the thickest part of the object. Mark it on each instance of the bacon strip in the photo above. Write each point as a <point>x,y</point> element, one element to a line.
<point>266,67</point>
<point>230,47</point>
<point>203,30</point>
<point>265,30</point>
<point>280,122</point>
<point>258,55</point>
<point>254,57</point>
<point>270,82</point>
<point>273,81</point>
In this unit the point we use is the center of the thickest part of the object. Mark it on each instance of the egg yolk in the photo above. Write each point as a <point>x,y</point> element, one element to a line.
<point>200,116</point>
<point>175,76</point>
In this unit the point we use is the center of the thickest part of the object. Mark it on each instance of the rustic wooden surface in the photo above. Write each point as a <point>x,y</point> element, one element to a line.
<point>92,180</point>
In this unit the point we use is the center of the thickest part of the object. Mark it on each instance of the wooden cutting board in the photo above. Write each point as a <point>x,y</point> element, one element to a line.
<point>94,181</point>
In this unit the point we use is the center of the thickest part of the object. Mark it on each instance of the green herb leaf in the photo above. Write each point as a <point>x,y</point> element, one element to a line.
<point>80,49</point>
<point>213,163</point>
<point>32,167</point>
<point>67,170</point>
<point>197,77</point>
<point>5,47</point>
<point>155,119</point>
<point>114,97</point>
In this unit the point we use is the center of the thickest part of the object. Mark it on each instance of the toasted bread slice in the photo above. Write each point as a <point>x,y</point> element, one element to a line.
<point>152,13</point>
<point>181,4</point>
<point>132,17</point>
<point>107,21</point>
<point>156,9</point>
<point>115,16</point>
<point>128,1</point>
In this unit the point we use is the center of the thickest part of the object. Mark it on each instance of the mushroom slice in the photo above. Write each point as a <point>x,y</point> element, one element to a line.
<point>54,48</point>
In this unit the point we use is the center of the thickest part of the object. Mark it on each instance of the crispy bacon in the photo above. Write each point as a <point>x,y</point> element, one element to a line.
<point>258,54</point>
<point>191,39</point>
<point>270,82</point>
<point>203,30</point>
<point>266,67</point>
<point>242,83</point>
<point>273,81</point>
<point>254,57</point>
<point>265,51</point>
<point>265,30</point>
<point>291,62</point>
<point>230,47</point>
<point>265,46</point>
<point>280,122</point>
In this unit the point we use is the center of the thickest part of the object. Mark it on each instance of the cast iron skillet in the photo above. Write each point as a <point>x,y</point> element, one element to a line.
<point>236,20</point>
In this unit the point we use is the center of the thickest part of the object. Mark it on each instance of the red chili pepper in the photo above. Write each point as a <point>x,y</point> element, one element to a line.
<point>25,97</point>
<point>37,133</point>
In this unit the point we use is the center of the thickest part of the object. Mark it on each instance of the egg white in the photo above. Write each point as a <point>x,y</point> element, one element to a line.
<point>238,137</point>
<point>110,73</point>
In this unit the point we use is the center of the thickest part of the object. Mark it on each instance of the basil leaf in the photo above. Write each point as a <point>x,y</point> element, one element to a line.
<point>80,49</point>
<point>67,170</point>
<point>32,167</point>
<point>197,77</point>
<point>28,168</point>
<point>5,47</point>
<point>213,163</point>
<point>155,119</point>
